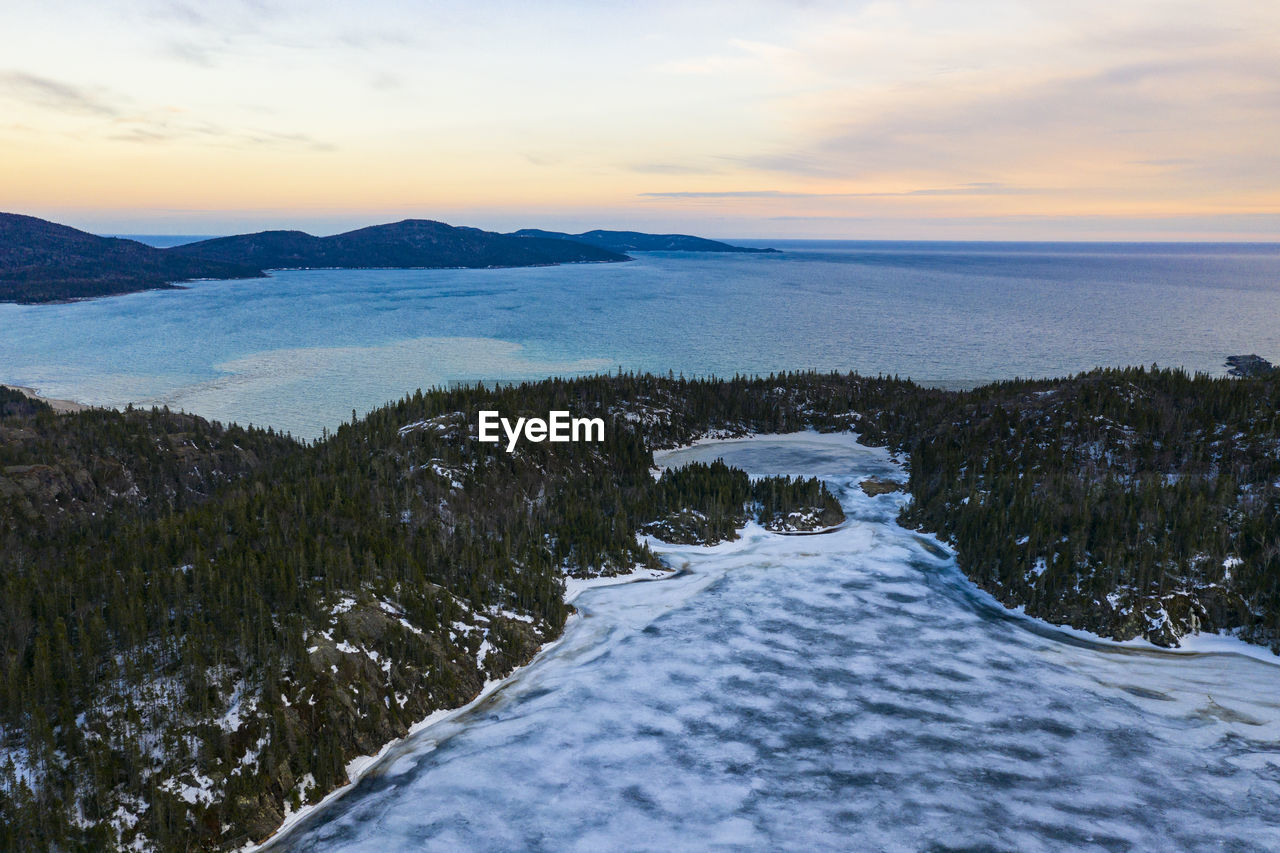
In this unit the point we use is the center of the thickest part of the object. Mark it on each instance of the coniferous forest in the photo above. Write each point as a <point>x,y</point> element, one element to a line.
<point>204,623</point>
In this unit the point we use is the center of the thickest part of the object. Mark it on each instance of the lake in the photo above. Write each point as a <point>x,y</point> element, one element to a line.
<point>300,350</point>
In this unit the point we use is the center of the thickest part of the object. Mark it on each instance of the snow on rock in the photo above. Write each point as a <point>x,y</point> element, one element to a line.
<point>239,706</point>
<point>483,651</point>
<point>201,792</point>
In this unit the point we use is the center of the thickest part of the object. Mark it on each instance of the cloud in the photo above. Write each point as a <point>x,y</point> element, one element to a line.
<point>1174,224</point>
<point>671,169</point>
<point>182,12</point>
<point>54,95</point>
<point>385,81</point>
<point>736,194</point>
<point>243,29</point>
<point>817,164</point>
<point>1216,106</point>
<point>191,52</point>
<point>744,56</point>
<point>129,122</point>
<point>980,188</point>
<point>163,130</point>
<point>543,159</point>
<point>977,188</point>
<point>374,40</point>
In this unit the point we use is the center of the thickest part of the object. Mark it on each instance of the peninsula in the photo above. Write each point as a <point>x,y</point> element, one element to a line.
<point>42,261</point>
<point>635,241</point>
<point>410,244</point>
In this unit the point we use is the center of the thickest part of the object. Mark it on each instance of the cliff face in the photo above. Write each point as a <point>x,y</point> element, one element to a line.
<point>41,261</point>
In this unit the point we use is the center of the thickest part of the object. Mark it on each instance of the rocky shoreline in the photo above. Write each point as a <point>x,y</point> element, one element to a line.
<point>1249,365</point>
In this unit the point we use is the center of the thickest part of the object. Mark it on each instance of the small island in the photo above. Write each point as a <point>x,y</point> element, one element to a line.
<point>701,504</point>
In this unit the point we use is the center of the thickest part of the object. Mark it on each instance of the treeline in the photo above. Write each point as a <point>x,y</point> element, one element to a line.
<point>203,624</point>
<point>700,503</point>
<point>1129,502</point>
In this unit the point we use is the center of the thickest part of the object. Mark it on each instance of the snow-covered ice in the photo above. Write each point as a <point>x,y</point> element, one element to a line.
<point>844,691</point>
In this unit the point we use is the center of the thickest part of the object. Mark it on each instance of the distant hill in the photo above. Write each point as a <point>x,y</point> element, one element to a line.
<point>413,243</point>
<point>41,261</point>
<point>635,241</point>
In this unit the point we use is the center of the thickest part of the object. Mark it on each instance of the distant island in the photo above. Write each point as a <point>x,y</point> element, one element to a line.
<point>635,241</point>
<point>41,261</point>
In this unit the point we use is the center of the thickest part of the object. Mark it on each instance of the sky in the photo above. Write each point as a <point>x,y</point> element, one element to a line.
<point>892,119</point>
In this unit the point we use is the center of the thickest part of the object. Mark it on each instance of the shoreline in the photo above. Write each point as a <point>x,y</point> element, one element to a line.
<point>1191,645</point>
<point>575,587</point>
<point>360,766</point>
<point>62,407</point>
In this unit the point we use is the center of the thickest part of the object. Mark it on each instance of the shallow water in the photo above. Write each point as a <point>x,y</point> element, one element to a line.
<point>843,691</point>
<point>301,349</point>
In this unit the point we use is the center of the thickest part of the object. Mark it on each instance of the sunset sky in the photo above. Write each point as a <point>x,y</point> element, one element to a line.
<point>912,119</point>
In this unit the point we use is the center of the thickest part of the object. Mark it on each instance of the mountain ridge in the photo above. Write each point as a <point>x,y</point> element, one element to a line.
<point>42,261</point>
<point>407,244</point>
<point>639,241</point>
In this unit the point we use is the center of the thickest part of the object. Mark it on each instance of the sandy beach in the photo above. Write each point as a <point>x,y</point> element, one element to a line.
<point>60,406</point>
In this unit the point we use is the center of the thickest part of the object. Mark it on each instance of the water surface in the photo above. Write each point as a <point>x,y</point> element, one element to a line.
<point>301,349</point>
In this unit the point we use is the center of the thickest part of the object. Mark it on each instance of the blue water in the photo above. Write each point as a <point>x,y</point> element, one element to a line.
<point>301,349</point>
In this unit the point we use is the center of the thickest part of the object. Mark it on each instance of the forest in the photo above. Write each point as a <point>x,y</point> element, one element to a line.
<point>204,623</point>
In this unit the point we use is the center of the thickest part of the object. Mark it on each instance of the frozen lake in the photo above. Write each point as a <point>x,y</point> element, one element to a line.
<point>850,690</point>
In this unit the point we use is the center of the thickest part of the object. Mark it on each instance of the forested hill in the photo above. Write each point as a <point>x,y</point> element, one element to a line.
<point>636,241</point>
<point>413,243</point>
<point>203,624</point>
<point>41,261</point>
